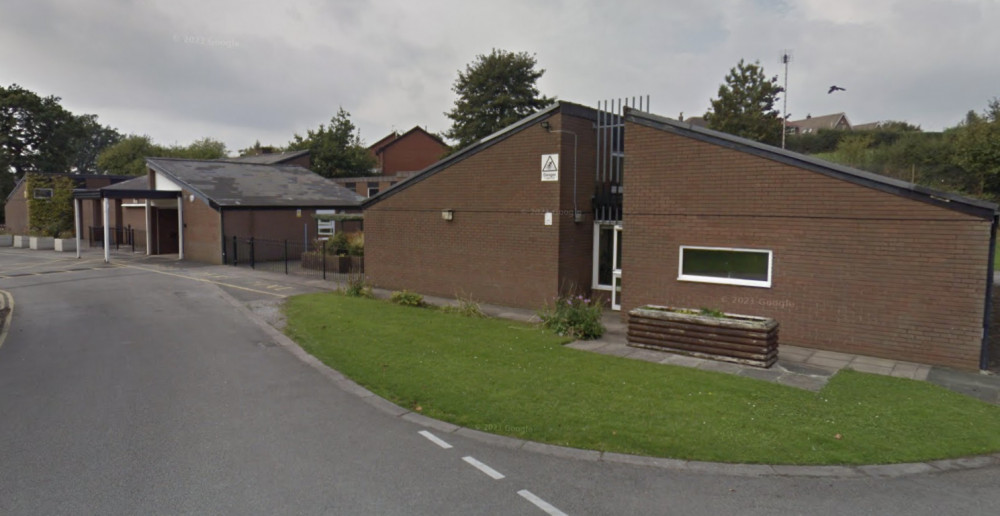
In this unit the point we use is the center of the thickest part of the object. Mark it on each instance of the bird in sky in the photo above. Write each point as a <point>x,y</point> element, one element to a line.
<point>835,88</point>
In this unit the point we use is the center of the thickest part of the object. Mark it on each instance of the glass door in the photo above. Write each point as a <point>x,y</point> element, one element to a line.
<point>616,270</point>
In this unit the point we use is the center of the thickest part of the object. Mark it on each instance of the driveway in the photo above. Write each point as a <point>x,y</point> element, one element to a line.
<point>146,389</point>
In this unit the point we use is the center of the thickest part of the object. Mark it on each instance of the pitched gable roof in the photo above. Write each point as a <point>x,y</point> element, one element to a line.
<point>240,184</point>
<point>976,207</point>
<point>816,123</point>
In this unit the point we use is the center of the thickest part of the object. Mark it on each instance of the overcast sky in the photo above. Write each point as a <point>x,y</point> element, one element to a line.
<point>179,70</point>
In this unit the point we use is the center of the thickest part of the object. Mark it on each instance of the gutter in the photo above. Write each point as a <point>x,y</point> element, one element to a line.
<point>984,355</point>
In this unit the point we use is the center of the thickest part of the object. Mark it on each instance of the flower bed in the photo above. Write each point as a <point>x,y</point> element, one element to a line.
<point>743,339</point>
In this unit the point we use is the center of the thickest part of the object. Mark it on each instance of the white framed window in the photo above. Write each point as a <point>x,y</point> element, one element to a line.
<point>725,265</point>
<point>326,228</point>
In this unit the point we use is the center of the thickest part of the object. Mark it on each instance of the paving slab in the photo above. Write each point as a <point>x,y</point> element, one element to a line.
<point>868,368</point>
<point>682,360</point>
<point>836,363</point>
<point>874,361</point>
<point>769,375</point>
<point>722,367</point>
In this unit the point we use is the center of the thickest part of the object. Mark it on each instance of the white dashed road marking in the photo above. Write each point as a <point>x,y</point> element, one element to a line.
<point>492,473</point>
<point>434,439</point>
<point>541,504</point>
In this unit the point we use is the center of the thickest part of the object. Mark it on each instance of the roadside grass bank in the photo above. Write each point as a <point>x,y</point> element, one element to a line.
<point>514,379</point>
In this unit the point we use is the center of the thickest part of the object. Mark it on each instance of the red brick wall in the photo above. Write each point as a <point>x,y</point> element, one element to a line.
<point>202,231</point>
<point>413,151</point>
<point>855,269</point>
<point>497,249</point>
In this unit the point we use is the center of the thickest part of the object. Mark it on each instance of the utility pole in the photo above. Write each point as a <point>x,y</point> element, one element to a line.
<point>786,57</point>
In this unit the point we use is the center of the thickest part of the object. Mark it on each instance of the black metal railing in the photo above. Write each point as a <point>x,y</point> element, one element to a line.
<point>118,237</point>
<point>290,257</point>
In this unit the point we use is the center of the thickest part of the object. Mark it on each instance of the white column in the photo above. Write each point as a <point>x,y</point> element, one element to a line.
<point>107,231</point>
<point>180,226</point>
<point>149,234</point>
<point>76,224</point>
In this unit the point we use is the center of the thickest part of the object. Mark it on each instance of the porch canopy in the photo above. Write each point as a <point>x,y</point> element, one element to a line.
<point>137,188</point>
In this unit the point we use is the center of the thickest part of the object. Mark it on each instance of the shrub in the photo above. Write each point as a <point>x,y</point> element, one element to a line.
<point>356,244</point>
<point>466,307</point>
<point>357,286</point>
<point>337,244</point>
<point>407,298</point>
<point>574,316</point>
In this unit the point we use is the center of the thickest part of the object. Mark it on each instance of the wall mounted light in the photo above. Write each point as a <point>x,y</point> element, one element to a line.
<point>447,214</point>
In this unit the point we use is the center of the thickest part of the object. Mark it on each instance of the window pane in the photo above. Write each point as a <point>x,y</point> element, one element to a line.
<point>745,265</point>
<point>605,251</point>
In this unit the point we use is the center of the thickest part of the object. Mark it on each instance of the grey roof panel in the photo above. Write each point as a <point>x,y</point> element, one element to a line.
<point>238,184</point>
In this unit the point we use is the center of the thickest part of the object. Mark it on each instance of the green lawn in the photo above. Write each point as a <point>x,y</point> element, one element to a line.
<point>514,379</point>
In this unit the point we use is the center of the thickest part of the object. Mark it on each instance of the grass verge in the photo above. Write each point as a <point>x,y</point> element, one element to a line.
<point>518,380</point>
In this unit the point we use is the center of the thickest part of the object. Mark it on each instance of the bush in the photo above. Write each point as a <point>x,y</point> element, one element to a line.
<point>574,316</point>
<point>466,307</point>
<point>356,244</point>
<point>407,298</point>
<point>357,286</point>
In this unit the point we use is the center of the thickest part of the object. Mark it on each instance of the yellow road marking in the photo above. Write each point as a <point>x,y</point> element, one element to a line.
<point>204,280</point>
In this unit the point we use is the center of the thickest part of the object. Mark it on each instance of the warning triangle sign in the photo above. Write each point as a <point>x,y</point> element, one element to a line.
<point>550,165</point>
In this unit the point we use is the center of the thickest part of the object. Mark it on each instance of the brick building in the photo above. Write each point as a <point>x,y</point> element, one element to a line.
<point>195,207</point>
<point>16,211</point>
<point>648,210</point>
<point>398,157</point>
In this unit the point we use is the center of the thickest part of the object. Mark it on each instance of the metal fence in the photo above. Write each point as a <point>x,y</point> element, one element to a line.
<point>119,237</point>
<point>291,257</point>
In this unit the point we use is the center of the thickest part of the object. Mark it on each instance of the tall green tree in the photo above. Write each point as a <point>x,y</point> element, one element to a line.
<point>38,135</point>
<point>494,91</point>
<point>977,149</point>
<point>90,139</point>
<point>128,156</point>
<point>746,105</point>
<point>336,150</point>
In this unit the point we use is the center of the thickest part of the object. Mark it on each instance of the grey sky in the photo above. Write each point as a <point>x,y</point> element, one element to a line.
<point>253,70</point>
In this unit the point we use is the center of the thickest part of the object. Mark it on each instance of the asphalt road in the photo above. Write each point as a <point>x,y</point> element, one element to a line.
<point>143,390</point>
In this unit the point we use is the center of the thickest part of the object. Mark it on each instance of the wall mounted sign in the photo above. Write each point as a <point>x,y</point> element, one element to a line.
<point>550,167</point>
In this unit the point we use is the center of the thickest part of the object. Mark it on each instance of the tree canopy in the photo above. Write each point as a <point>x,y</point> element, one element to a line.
<point>128,157</point>
<point>746,105</point>
<point>38,135</point>
<point>977,148</point>
<point>494,91</point>
<point>336,150</point>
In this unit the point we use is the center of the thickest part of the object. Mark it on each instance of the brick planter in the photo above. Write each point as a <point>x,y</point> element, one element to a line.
<point>743,339</point>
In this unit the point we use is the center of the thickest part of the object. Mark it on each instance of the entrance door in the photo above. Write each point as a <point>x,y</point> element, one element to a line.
<point>616,271</point>
<point>167,241</point>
